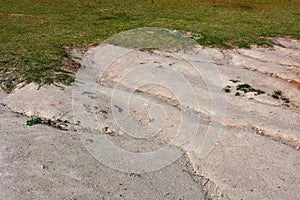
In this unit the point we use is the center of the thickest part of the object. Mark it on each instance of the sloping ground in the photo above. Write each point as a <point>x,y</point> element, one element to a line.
<point>271,70</point>
<point>234,112</point>
<point>41,162</point>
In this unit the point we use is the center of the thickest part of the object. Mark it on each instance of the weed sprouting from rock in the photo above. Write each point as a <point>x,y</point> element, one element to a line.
<point>34,121</point>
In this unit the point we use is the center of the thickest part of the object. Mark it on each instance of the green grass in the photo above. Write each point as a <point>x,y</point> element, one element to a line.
<point>285,100</point>
<point>227,89</point>
<point>247,88</point>
<point>58,123</point>
<point>278,95</point>
<point>34,121</point>
<point>33,32</point>
<point>150,38</point>
<point>237,94</point>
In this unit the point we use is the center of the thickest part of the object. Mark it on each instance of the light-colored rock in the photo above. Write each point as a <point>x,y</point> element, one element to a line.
<point>238,165</point>
<point>287,43</point>
<point>2,94</point>
<point>245,165</point>
<point>247,145</point>
<point>215,54</point>
<point>49,101</point>
<point>41,162</point>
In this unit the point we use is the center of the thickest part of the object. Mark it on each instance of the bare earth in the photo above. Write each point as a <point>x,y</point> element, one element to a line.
<point>242,146</point>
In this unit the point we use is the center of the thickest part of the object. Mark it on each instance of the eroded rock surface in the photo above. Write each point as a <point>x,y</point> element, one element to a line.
<point>41,162</point>
<point>245,143</point>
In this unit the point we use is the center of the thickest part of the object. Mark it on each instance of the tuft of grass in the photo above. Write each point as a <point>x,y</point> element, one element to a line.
<point>244,87</point>
<point>34,121</point>
<point>58,123</point>
<point>226,90</point>
<point>32,33</point>
<point>247,88</point>
<point>278,92</point>
<point>278,95</point>
<point>286,100</point>
<point>275,96</point>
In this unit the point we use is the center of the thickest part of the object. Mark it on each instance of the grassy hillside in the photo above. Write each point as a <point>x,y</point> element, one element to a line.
<point>32,32</point>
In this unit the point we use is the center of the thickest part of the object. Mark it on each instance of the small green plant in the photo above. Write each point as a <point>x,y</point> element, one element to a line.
<point>286,100</point>
<point>58,123</point>
<point>237,94</point>
<point>247,88</point>
<point>278,95</point>
<point>278,92</point>
<point>227,88</point>
<point>275,96</point>
<point>34,121</point>
<point>244,88</point>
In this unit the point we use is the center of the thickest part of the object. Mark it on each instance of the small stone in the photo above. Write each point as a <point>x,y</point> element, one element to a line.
<point>42,166</point>
<point>107,130</point>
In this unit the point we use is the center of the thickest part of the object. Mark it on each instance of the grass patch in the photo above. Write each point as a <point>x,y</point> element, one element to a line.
<point>149,39</point>
<point>247,88</point>
<point>227,89</point>
<point>58,123</point>
<point>286,100</point>
<point>34,121</point>
<point>278,92</point>
<point>32,33</point>
<point>275,96</point>
<point>278,95</point>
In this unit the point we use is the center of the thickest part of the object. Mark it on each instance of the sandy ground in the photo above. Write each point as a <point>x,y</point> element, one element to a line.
<point>150,112</point>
